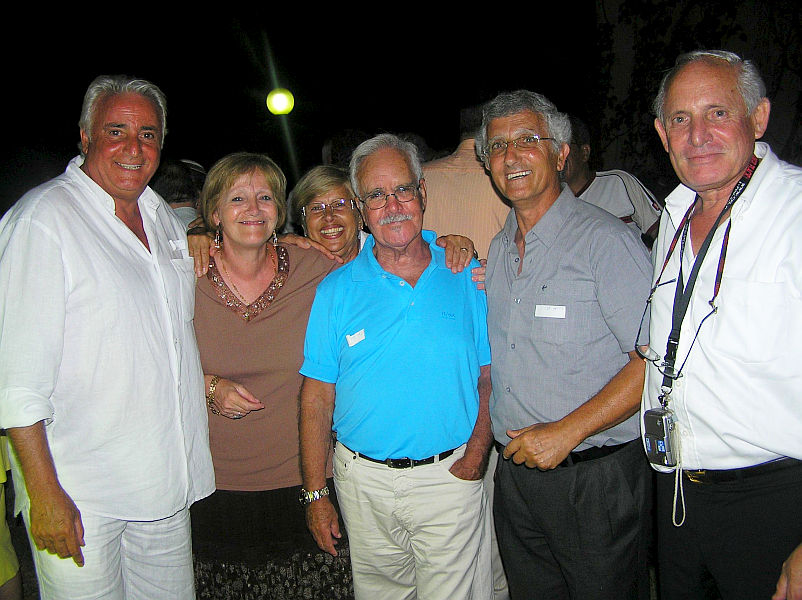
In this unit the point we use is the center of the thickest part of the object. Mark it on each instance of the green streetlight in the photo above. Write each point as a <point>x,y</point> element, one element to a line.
<point>280,101</point>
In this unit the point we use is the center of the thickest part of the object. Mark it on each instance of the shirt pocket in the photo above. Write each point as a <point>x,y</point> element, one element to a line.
<point>566,312</point>
<point>182,293</point>
<point>758,323</point>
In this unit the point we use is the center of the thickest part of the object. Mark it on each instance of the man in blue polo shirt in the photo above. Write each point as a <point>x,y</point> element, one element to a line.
<point>397,363</point>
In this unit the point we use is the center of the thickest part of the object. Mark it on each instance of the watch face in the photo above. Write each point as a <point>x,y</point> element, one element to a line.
<point>303,497</point>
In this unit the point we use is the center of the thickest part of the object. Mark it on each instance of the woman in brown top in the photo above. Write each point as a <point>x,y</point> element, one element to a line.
<point>251,311</point>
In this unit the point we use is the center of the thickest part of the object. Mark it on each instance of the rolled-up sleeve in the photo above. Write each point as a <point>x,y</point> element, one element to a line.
<point>32,317</point>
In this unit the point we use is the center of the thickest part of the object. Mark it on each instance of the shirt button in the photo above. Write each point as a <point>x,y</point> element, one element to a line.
<point>512,346</point>
<point>507,388</point>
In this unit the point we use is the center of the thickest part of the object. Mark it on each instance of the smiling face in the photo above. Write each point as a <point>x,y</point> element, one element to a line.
<point>337,230</point>
<point>525,176</point>
<point>124,151</point>
<point>396,224</point>
<point>707,133</point>
<point>247,212</point>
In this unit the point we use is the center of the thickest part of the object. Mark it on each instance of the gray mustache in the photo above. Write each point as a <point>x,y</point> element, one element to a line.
<point>394,219</point>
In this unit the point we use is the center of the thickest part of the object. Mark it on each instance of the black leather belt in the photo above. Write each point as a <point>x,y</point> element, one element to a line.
<point>404,463</point>
<point>584,455</point>
<point>593,453</point>
<point>724,475</point>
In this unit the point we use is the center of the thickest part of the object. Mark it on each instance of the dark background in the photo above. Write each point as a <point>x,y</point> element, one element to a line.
<point>385,68</point>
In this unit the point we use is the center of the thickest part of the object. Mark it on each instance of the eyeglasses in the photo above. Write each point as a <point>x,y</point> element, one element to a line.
<point>318,209</point>
<point>497,147</point>
<point>403,193</point>
<point>665,367</point>
<point>647,352</point>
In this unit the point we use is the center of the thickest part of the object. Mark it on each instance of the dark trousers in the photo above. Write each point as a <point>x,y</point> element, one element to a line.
<point>576,532</point>
<point>740,532</point>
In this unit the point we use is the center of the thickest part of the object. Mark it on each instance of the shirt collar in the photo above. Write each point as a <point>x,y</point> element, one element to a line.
<point>148,199</point>
<point>365,266</point>
<point>549,226</point>
<point>679,200</point>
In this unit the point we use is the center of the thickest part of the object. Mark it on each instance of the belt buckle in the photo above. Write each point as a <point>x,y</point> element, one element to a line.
<point>696,476</point>
<point>399,463</point>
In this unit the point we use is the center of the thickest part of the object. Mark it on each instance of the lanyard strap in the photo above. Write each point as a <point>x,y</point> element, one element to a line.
<point>683,293</point>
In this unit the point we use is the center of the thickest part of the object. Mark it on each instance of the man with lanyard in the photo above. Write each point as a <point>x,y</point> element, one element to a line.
<point>720,410</point>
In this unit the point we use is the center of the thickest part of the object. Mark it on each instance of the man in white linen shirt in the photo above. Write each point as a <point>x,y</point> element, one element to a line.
<point>101,389</point>
<point>730,506</point>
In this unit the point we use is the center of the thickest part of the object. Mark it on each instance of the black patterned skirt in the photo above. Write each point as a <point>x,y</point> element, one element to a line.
<point>255,545</point>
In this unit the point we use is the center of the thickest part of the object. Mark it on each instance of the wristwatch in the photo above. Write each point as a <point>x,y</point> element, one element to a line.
<point>309,497</point>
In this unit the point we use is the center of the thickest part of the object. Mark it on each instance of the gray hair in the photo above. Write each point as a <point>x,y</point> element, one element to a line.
<point>113,85</point>
<point>380,142</point>
<point>750,83</point>
<point>510,103</point>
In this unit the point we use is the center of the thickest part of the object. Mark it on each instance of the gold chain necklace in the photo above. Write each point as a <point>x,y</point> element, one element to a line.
<point>239,294</point>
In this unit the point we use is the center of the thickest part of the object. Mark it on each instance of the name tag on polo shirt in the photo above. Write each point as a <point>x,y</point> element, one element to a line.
<point>355,338</point>
<point>549,312</point>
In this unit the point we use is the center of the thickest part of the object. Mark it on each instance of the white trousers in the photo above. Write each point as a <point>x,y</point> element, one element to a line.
<point>417,533</point>
<point>123,560</point>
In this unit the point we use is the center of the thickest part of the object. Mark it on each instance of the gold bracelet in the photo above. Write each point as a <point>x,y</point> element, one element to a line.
<point>210,395</point>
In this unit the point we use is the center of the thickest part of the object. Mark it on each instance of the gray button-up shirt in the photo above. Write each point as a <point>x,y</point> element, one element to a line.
<point>562,329</point>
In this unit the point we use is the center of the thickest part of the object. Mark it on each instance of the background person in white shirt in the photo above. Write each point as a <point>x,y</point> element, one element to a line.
<point>618,192</point>
<point>731,505</point>
<point>101,389</point>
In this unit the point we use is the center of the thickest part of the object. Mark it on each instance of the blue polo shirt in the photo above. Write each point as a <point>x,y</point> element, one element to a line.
<point>405,360</point>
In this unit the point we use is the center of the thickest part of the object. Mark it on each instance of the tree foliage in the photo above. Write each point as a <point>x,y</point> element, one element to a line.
<point>638,40</point>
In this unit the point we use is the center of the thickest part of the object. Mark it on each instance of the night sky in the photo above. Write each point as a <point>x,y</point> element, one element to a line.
<point>404,75</point>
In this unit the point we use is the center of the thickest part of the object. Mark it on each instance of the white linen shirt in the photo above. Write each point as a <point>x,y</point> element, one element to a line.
<point>738,401</point>
<point>97,341</point>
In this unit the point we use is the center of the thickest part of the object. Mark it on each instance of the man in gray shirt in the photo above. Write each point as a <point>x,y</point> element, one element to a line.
<point>566,286</point>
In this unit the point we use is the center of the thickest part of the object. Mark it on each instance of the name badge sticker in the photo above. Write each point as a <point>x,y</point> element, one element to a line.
<point>355,338</point>
<point>548,311</point>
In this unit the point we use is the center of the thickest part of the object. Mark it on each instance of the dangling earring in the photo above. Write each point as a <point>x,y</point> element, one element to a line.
<point>218,238</point>
<point>275,238</point>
